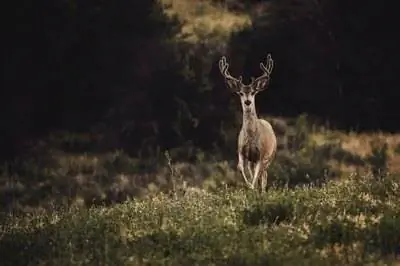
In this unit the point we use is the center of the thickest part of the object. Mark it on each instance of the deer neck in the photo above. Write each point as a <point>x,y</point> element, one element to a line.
<point>250,121</point>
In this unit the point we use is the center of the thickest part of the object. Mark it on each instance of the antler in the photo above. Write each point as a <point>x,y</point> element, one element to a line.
<point>223,67</point>
<point>267,72</point>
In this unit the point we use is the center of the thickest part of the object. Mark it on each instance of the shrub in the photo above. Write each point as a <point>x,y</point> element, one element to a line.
<point>350,222</point>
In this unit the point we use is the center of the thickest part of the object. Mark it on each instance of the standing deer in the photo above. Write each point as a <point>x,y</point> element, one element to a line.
<point>257,141</point>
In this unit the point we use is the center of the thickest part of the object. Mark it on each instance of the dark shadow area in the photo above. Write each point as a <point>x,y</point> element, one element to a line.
<point>327,62</point>
<point>382,238</point>
<point>91,71</point>
<point>27,248</point>
<point>270,213</point>
<point>337,153</point>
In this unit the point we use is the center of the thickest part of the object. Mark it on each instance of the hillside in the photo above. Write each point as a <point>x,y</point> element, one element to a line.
<point>354,222</point>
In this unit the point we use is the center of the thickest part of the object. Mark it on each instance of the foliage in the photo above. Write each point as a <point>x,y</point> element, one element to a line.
<point>378,159</point>
<point>85,67</point>
<point>351,222</point>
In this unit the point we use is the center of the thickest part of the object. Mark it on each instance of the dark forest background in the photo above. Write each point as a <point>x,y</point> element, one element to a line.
<point>115,68</point>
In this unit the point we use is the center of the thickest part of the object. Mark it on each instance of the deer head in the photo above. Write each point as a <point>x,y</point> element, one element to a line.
<point>247,93</point>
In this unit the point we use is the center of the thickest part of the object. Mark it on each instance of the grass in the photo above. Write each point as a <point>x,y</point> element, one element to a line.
<point>361,144</point>
<point>351,222</point>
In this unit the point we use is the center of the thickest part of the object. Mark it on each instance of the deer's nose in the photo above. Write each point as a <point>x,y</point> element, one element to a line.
<point>247,102</point>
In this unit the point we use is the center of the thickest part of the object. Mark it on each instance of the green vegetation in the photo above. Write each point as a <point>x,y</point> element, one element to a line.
<point>79,210</point>
<point>354,222</point>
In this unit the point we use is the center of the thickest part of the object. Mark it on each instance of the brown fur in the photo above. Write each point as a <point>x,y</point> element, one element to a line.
<point>257,142</point>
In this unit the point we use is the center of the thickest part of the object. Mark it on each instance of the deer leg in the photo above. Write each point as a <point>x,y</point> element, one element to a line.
<point>240,167</point>
<point>250,169</point>
<point>264,181</point>
<point>256,174</point>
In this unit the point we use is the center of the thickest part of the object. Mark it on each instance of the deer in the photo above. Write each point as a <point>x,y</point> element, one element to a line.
<point>257,143</point>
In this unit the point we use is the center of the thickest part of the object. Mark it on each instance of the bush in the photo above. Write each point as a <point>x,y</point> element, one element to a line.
<point>378,158</point>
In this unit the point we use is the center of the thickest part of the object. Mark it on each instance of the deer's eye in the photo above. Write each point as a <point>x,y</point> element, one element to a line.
<point>253,93</point>
<point>240,93</point>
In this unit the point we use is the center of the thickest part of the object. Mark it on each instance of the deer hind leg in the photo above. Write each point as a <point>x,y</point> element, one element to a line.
<point>250,168</point>
<point>264,180</point>
<point>240,167</point>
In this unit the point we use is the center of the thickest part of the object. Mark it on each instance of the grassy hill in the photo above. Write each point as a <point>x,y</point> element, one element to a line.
<point>353,222</point>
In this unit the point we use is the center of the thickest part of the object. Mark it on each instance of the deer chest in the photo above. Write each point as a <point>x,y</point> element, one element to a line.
<point>251,152</point>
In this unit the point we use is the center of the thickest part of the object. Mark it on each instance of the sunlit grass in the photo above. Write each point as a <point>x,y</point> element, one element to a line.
<point>360,144</point>
<point>351,222</point>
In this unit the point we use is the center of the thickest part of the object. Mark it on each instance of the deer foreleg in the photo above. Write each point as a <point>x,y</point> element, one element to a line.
<point>240,167</point>
<point>256,175</point>
<point>250,169</point>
